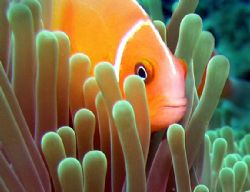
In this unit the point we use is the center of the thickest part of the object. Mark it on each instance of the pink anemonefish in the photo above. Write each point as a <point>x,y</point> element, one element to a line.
<point>122,33</point>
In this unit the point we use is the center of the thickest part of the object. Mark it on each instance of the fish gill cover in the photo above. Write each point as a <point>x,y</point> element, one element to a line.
<point>64,130</point>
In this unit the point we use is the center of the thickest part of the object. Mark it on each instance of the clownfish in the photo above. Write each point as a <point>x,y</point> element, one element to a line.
<point>121,33</point>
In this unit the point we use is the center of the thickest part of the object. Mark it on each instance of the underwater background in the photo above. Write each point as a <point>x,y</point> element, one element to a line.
<point>228,21</point>
<point>48,148</point>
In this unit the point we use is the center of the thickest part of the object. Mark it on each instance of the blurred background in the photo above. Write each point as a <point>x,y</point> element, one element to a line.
<point>229,22</point>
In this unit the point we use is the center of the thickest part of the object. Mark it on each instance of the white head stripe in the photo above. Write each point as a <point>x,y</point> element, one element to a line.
<point>122,45</point>
<point>129,35</point>
<point>164,47</point>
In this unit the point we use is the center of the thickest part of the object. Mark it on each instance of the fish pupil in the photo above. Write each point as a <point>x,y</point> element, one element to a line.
<point>141,72</point>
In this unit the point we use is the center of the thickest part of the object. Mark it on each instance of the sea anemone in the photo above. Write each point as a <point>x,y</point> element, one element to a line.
<point>62,130</point>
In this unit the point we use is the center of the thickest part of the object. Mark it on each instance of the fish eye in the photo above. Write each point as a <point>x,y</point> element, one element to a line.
<point>144,69</point>
<point>141,72</point>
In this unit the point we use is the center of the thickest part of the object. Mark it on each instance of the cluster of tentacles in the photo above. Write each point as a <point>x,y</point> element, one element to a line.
<point>103,143</point>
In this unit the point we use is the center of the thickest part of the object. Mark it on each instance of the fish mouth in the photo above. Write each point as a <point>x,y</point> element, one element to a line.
<point>173,109</point>
<point>176,103</point>
<point>173,103</point>
<point>177,107</point>
<point>167,112</point>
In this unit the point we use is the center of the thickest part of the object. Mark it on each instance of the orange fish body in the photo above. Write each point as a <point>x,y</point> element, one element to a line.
<point>121,32</point>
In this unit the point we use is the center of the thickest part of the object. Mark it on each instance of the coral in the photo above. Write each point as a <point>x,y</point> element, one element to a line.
<point>233,38</point>
<point>154,8</point>
<point>227,156</point>
<point>104,142</point>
